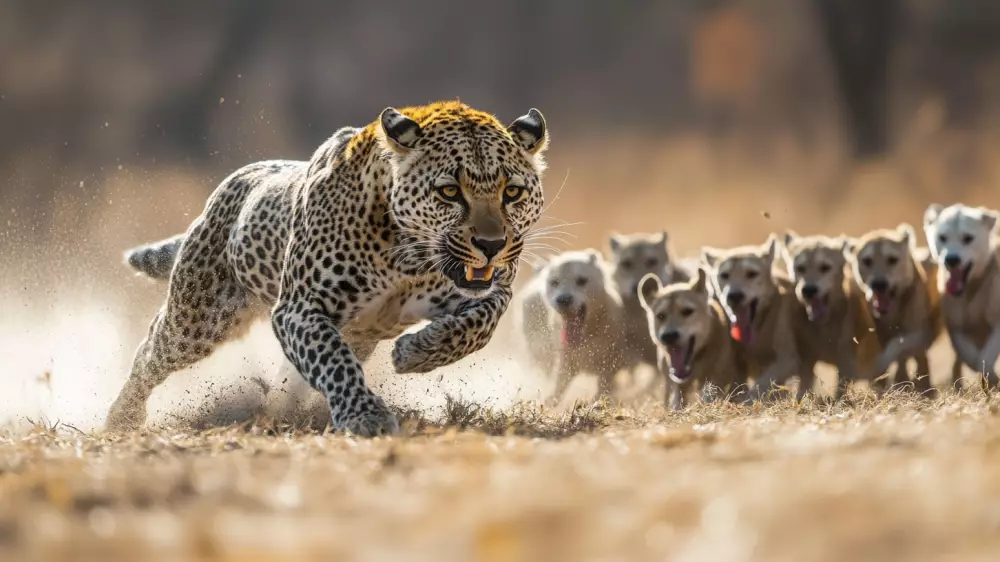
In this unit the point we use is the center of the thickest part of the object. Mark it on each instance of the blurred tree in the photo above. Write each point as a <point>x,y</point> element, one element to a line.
<point>184,119</point>
<point>859,35</point>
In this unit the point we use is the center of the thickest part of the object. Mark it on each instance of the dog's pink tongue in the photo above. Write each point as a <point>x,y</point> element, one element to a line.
<point>956,281</point>
<point>742,330</point>
<point>678,358</point>
<point>880,303</point>
<point>817,310</point>
<point>572,332</point>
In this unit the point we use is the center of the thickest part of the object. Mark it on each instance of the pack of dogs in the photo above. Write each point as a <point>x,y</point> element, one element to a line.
<point>739,323</point>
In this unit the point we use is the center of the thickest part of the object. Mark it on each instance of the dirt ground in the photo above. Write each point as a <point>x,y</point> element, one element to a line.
<point>901,478</point>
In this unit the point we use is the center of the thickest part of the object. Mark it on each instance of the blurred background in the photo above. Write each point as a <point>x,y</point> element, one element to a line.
<point>718,120</point>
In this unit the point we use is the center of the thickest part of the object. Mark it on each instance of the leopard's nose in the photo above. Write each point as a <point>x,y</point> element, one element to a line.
<point>490,247</point>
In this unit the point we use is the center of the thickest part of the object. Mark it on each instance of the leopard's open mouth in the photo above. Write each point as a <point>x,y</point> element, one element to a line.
<point>471,278</point>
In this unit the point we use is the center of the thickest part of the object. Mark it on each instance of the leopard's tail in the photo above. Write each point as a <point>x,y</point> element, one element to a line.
<point>155,259</point>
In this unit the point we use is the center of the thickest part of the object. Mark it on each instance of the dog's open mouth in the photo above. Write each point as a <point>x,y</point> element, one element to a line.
<point>741,319</point>
<point>681,356</point>
<point>572,335</point>
<point>881,301</point>
<point>817,308</point>
<point>471,278</point>
<point>958,278</point>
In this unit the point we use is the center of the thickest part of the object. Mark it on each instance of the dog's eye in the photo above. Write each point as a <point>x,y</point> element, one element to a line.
<point>512,193</point>
<point>892,260</point>
<point>449,192</point>
<point>751,274</point>
<point>581,281</point>
<point>687,311</point>
<point>661,316</point>
<point>867,262</point>
<point>800,269</point>
<point>651,263</point>
<point>553,282</point>
<point>967,239</point>
<point>825,268</point>
<point>625,264</point>
<point>942,238</point>
<point>723,277</point>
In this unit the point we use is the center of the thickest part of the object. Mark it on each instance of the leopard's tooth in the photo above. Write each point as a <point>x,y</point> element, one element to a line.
<point>489,273</point>
<point>468,273</point>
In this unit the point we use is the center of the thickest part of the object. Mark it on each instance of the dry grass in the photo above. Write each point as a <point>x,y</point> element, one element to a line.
<point>898,478</point>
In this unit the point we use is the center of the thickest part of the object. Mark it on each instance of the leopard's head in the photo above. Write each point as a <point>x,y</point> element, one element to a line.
<point>465,189</point>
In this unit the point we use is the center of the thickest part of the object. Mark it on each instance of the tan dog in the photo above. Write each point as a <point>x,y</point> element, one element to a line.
<point>633,257</point>
<point>904,303</point>
<point>695,354</point>
<point>962,241</point>
<point>571,319</point>
<point>760,308</point>
<point>833,324</point>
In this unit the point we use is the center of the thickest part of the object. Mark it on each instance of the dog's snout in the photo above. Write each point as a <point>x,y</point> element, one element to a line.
<point>809,290</point>
<point>736,298</point>
<point>490,247</point>
<point>670,337</point>
<point>952,261</point>
<point>564,301</point>
<point>879,284</point>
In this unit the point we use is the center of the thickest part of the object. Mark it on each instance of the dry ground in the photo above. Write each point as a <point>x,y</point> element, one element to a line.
<point>899,478</point>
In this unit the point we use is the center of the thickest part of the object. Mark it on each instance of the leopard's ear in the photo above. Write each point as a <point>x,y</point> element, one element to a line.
<point>399,131</point>
<point>529,132</point>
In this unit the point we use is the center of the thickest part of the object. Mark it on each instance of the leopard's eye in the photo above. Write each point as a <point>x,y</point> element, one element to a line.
<point>449,192</point>
<point>512,193</point>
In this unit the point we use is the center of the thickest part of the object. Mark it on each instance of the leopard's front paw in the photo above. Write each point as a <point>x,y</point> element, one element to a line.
<point>409,356</point>
<point>374,422</point>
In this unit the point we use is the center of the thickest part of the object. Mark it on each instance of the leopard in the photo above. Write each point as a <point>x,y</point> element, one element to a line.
<point>419,217</point>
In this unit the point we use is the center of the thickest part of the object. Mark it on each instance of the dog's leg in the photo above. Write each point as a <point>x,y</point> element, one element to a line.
<point>988,358</point>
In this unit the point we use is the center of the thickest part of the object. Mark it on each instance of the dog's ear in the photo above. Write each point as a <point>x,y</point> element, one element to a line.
<point>615,242</point>
<point>989,218</point>
<point>907,234</point>
<point>700,283</point>
<point>649,285</point>
<point>790,237</point>
<point>664,237</point>
<point>593,255</point>
<point>771,247</point>
<point>710,256</point>
<point>932,212</point>
<point>849,247</point>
